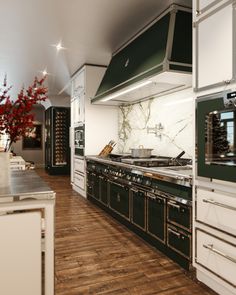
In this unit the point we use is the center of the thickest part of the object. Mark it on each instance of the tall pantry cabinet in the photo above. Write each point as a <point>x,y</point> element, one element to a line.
<point>94,125</point>
<point>214,201</point>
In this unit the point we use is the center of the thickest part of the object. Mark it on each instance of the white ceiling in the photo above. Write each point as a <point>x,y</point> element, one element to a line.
<point>91,30</point>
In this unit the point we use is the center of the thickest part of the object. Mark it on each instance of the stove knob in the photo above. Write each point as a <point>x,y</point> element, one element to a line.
<point>139,180</point>
<point>128,177</point>
<point>116,173</point>
<point>120,174</point>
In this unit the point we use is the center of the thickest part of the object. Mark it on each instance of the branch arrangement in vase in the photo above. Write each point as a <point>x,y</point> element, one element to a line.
<point>16,116</point>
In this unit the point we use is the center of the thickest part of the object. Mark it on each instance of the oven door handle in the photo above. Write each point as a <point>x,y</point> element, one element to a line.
<point>219,204</point>
<point>173,205</point>
<point>174,232</point>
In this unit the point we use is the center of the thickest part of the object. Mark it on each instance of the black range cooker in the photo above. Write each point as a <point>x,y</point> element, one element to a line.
<point>160,210</point>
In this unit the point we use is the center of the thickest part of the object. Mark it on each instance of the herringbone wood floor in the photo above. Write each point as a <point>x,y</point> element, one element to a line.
<point>97,255</point>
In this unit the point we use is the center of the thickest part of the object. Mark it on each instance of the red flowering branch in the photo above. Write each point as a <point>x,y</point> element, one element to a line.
<point>15,116</point>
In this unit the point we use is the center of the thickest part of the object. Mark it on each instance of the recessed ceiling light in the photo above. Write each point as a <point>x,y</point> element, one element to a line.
<point>59,46</point>
<point>45,72</point>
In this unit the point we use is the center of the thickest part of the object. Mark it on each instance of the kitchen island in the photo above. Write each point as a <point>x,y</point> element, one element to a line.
<point>27,235</point>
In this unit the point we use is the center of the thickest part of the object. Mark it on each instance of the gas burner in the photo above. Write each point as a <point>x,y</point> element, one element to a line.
<point>155,162</point>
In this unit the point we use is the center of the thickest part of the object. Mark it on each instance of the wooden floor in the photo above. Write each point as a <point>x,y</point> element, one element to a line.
<point>97,255</point>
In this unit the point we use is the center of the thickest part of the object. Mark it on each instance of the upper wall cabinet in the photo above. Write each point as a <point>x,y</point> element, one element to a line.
<point>203,6</point>
<point>215,44</point>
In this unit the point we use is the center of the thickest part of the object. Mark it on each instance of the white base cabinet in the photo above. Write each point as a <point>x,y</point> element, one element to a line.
<point>20,255</point>
<point>215,238</point>
<point>100,122</point>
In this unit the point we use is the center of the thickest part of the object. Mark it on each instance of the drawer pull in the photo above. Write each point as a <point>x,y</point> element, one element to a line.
<point>211,248</point>
<point>121,185</point>
<point>174,232</point>
<point>134,190</point>
<point>219,204</point>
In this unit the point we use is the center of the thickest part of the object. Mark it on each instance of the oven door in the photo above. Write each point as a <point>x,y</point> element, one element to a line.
<point>79,140</point>
<point>216,137</point>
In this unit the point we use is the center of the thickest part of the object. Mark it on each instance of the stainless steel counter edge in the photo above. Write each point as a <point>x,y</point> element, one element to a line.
<point>158,173</point>
<point>26,184</point>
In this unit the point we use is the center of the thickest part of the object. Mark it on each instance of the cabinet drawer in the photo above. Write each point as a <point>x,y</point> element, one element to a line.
<point>216,210</point>
<point>179,241</point>
<point>216,255</point>
<point>79,180</point>
<point>179,214</point>
<point>79,166</point>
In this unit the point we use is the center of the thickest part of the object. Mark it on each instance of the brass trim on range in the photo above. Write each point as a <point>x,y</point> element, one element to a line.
<point>203,266</point>
<point>178,232</point>
<point>179,205</point>
<point>154,197</point>
<point>132,191</point>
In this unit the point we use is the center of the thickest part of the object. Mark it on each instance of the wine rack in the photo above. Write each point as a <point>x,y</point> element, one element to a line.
<point>57,151</point>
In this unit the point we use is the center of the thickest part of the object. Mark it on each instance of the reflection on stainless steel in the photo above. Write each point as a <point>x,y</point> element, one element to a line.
<point>25,182</point>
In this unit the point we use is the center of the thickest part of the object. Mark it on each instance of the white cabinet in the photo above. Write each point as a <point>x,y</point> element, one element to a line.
<point>217,256</point>
<point>100,122</point>
<point>20,254</point>
<point>215,44</point>
<point>204,5</point>
<point>215,238</point>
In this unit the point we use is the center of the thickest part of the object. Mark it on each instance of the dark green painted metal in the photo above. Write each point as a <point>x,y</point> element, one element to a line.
<point>181,216</point>
<point>147,54</point>
<point>146,51</point>
<point>96,188</point>
<point>182,41</point>
<point>156,218</point>
<point>119,199</point>
<point>138,208</point>
<point>211,171</point>
<point>180,241</point>
<point>180,68</point>
<point>174,189</point>
<point>103,190</point>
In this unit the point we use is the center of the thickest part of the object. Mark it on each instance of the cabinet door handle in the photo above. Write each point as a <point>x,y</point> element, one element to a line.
<point>101,177</point>
<point>174,232</point>
<point>211,248</point>
<point>219,204</point>
<point>134,190</point>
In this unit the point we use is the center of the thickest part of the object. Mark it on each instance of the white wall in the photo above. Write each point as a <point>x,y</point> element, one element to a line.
<point>173,111</point>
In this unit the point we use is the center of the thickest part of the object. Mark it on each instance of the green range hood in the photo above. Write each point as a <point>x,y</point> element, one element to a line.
<point>157,61</point>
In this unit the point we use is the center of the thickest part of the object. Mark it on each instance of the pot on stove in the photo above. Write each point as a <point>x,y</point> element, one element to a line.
<point>141,152</point>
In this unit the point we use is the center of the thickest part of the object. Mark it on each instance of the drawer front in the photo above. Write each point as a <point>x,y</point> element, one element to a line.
<point>138,208</point>
<point>179,241</point>
<point>217,210</point>
<point>79,180</point>
<point>79,166</point>
<point>216,255</point>
<point>179,215</point>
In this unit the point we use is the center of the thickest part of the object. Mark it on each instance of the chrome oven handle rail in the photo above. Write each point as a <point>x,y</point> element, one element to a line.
<point>219,204</point>
<point>211,248</point>
<point>174,232</point>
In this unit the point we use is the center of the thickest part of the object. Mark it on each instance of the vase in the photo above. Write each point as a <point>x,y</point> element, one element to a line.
<point>4,169</point>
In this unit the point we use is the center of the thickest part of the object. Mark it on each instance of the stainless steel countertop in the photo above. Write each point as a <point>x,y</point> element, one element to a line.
<point>26,183</point>
<point>177,174</point>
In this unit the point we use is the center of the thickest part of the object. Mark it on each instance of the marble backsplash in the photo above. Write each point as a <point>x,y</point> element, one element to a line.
<point>163,123</point>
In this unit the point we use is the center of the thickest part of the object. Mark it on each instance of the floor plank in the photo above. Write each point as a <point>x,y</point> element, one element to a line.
<point>97,255</point>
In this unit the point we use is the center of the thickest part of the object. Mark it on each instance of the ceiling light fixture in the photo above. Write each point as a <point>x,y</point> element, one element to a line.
<point>127,90</point>
<point>59,47</point>
<point>45,72</point>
